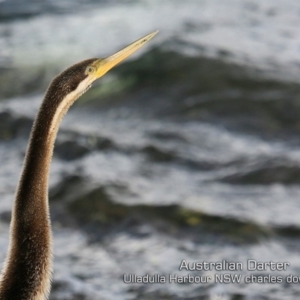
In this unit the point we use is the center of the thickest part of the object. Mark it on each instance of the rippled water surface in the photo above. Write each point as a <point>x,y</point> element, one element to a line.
<point>188,151</point>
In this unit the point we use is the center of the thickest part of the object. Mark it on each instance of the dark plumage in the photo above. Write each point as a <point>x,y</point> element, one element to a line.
<point>31,215</point>
<point>28,267</point>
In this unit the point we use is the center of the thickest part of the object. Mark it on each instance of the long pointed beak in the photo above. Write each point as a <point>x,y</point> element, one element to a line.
<point>104,65</point>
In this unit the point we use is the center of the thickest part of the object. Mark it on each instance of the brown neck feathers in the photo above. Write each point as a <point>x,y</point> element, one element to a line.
<point>28,266</point>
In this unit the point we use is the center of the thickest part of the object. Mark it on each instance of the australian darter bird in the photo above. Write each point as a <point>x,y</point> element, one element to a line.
<point>28,266</point>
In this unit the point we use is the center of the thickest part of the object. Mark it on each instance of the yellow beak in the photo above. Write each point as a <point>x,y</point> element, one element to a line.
<point>104,65</point>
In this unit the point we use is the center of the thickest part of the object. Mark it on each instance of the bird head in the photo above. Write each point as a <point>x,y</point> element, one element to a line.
<point>77,79</point>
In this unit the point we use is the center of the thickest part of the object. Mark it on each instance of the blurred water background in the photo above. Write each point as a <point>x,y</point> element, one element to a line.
<point>188,150</point>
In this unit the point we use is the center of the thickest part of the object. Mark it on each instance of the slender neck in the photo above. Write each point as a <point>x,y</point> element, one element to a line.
<point>28,267</point>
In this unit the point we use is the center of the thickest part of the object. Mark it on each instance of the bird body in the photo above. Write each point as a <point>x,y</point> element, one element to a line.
<point>28,267</point>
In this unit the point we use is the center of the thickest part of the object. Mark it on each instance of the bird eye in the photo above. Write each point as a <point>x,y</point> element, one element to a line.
<point>89,70</point>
